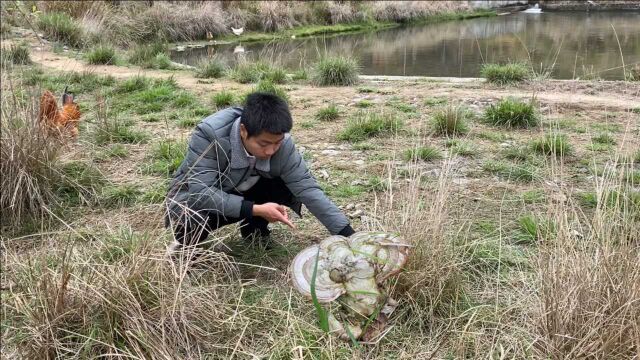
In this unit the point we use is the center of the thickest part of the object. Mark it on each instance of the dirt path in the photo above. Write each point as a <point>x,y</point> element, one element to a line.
<point>584,95</point>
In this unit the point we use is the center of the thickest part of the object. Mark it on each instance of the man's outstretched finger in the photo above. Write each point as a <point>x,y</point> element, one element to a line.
<point>284,219</point>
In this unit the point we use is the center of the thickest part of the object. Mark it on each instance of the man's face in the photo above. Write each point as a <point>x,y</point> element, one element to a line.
<point>263,145</point>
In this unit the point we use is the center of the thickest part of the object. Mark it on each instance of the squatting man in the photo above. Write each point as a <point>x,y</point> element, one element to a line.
<point>242,166</point>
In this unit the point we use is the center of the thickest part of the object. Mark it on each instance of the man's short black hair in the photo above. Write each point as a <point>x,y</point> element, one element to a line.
<point>266,112</point>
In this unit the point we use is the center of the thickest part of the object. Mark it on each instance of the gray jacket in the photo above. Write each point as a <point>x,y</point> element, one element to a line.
<point>216,163</point>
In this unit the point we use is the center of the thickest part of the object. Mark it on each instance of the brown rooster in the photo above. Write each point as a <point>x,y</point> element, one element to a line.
<point>59,122</point>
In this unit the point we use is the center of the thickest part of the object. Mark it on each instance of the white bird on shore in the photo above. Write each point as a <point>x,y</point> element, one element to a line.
<point>237,31</point>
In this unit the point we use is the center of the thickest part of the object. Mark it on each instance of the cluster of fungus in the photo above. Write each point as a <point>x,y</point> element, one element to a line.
<point>352,271</point>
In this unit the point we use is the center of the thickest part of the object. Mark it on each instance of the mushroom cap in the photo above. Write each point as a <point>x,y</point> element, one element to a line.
<point>302,271</point>
<point>388,251</point>
<point>365,255</point>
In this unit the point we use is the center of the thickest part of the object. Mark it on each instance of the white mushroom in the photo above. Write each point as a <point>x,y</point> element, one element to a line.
<point>302,272</point>
<point>351,270</point>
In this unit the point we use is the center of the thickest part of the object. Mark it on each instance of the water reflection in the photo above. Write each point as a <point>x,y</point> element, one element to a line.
<point>569,43</point>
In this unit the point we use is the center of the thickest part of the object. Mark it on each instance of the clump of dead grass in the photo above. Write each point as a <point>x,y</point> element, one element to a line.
<point>588,298</point>
<point>29,164</point>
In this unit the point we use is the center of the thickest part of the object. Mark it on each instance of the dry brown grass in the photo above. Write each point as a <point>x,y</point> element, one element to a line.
<point>29,164</point>
<point>403,11</point>
<point>589,279</point>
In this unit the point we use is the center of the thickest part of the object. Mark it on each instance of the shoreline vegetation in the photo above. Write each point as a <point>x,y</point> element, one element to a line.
<point>317,30</point>
<point>126,23</point>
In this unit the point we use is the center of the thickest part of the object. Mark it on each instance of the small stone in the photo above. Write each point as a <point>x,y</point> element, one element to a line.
<point>359,162</point>
<point>324,174</point>
<point>460,181</point>
<point>330,152</point>
<point>432,173</point>
<point>350,207</point>
<point>356,214</point>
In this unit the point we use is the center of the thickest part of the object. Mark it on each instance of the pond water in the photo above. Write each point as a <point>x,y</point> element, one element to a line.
<point>569,44</point>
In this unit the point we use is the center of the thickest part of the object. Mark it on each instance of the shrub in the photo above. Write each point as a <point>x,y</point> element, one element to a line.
<point>17,54</point>
<point>210,68</point>
<point>328,113</point>
<point>223,99</point>
<point>505,74</point>
<point>60,27</point>
<point>335,71</point>
<point>511,112</point>
<point>553,144</point>
<point>424,153</point>
<point>103,54</point>
<point>451,120</point>
<point>364,125</point>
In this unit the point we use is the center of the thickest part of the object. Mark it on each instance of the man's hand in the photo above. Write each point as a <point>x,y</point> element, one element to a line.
<point>273,212</point>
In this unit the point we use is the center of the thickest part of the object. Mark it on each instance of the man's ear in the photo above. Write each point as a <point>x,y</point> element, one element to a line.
<point>243,132</point>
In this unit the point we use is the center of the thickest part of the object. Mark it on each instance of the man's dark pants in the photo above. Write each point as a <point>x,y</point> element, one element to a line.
<point>195,228</point>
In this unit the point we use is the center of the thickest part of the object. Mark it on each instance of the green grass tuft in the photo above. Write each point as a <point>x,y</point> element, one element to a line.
<point>167,155</point>
<point>161,61</point>
<point>521,172</point>
<point>251,72</point>
<point>328,113</point>
<point>435,101</point>
<point>336,71</point>
<point>80,182</point>
<point>61,27</point>
<point>604,139</point>
<point>117,131</point>
<point>17,54</point>
<point>424,153</point>
<point>122,195</point>
<point>267,86</point>
<point>451,120</point>
<point>363,104</point>
<point>510,112</point>
<point>135,83</point>
<point>462,148</point>
<point>505,74</point>
<point>144,54</point>
<point>117,151</point>
<point>102,55</point>
<point>553,144</point>
<point>223,99</point>
<point>212,68</point>
<point>365,124</point>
